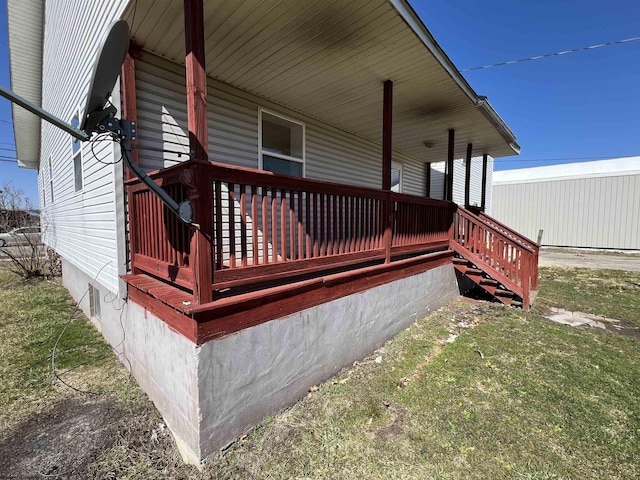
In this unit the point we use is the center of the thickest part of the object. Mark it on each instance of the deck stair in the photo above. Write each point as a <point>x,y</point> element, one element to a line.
<point>497,259</point>
<point>484,281</point>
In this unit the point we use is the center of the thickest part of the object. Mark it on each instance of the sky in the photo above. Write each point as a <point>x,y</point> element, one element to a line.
<point>577,107</point>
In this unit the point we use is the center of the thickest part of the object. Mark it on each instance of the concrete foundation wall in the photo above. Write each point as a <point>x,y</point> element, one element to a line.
<point>163,362</point>
<point>256,372</point>
<point>210,394</point>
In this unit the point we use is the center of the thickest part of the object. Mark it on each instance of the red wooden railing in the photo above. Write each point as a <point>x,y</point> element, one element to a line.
<point>258,227</point>
<point>506,259</point>
<point>510,232</point>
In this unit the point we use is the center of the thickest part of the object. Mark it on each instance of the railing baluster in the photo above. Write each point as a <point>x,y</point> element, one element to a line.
<point>274,225</point>
<point>254,224</point>
<point>307,206</point>
<point>243,225</point>
<point>231,212</point>
<point>264,193</point>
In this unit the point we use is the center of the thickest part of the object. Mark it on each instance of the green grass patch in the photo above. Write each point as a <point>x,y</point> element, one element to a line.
<point>516,396</point>
<point>612,293</point>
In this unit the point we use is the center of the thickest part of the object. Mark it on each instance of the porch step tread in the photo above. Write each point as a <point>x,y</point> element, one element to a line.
<point>173,296</point>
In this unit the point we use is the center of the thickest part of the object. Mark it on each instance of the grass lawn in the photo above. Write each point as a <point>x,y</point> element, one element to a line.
<point>515,396</point>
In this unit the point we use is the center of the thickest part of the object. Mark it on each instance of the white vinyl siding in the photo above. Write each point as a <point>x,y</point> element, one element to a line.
<point>331,154</point>
<point>475,189</point>
<point>81,226</point>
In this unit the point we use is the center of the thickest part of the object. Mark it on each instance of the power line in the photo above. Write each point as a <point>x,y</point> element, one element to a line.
<point>610,157</point>
<point>8,149</point>
<point>556,54</point>
<point>6,121</point>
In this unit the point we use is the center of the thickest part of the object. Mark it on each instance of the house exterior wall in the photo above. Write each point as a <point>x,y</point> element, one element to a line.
<point>331,154</point>
<point>475,189</point>
<point>81,226</point>
<point>573,208</point>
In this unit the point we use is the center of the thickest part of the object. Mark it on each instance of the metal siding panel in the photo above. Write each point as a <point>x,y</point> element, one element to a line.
<point>82,225</point>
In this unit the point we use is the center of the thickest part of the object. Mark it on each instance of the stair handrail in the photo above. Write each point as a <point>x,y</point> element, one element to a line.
<point>510,231</point>
<point>494,229</point>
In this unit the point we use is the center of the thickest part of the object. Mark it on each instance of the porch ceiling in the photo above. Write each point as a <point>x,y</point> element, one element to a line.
<point>328,59</point>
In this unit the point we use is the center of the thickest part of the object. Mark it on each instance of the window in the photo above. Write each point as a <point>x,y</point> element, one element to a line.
<point>76,152</point>
<point>396,177</point>
<point>281,145</point>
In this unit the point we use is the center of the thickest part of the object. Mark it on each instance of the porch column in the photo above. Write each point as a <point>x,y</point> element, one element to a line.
<point>129,105</point>
<point>196,78</point>
<point>201,196</point>
<point>130,112</point>
<point>387,134</point>
<point>467,174</point>
<point>449,168</point>
<point>427,178</point>
<point>484,181</point>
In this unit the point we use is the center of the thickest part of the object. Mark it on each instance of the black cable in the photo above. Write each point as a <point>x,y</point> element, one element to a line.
<point>555,54</point>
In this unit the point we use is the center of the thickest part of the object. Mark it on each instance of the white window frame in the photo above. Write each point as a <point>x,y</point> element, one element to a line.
<point>303,161</point>
<point>77,155</point>
<point>399,166</point>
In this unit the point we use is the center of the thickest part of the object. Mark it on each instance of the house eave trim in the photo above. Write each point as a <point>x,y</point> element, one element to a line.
<point>408,14</point>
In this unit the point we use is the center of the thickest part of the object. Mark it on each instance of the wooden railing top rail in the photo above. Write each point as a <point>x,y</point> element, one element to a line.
<point>530,243</point>
<point>250,176</point>
<point>474,218</point>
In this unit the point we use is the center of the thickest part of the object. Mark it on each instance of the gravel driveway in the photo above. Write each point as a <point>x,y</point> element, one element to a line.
<point>589,259</point>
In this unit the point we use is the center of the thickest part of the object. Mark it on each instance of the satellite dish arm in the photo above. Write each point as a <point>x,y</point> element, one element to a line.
<point>182,210</point>
<point>27,105</point>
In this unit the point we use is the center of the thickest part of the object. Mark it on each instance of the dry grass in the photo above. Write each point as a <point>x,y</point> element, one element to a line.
<point>513,397</point>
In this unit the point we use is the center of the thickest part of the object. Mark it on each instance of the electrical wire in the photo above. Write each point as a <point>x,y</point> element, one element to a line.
<point>55,374</point>
<point>555,54</point>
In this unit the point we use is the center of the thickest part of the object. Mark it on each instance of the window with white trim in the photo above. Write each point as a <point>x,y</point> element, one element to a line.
<point>76,152</point>
<point>281,145</point>
<point>396,177</point>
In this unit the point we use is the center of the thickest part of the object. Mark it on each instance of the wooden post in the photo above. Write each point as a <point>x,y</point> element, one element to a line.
<point>387,150</point>
<point>427,181</point>
<point>196,78</point>
<point>484,182</point>
<point>202,198</point>
<point>449,169</point>
<point>467,175</point>
<point>130,112</point>
<point>387,134</point>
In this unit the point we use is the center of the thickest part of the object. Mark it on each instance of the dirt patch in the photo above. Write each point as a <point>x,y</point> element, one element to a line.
<point>59,442</point>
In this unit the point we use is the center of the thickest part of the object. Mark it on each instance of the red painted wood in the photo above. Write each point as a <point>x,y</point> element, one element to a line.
<point>196,78</point>
<point>254,224</point>
<point>265,233</point>
<point>283,223</point>
<point>467,174</point>
<point>387,133</point>
<point>307,206</point>
<point>231,221</point>
<point>243,225</point>
<point>274,227</point>
<point>218,222</point>
<point>484,182</point>
<point>449,174</point>
<point>215,321</point>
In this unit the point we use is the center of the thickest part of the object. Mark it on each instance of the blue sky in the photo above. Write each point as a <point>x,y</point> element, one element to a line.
<point>579,106</point>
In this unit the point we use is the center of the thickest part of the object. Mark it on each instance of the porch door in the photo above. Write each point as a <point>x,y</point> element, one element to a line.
<point>396,177</point>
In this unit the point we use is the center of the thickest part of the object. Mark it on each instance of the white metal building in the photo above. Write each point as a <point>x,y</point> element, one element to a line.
<point>585,205</point>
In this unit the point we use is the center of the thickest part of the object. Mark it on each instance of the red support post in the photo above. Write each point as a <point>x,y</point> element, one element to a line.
<point>467,175</point>
<point>484,182</point>
<point>130,112</point>
<point>387,134</point>
<point>202,198</point>
<point>427,180</point>
<point>449,169</point>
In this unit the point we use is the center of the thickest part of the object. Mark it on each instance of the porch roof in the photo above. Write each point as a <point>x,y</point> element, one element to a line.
<point>329,60</point>
<point>324,59</point>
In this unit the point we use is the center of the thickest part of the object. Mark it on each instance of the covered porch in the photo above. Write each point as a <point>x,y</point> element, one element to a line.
<point>263,245</point>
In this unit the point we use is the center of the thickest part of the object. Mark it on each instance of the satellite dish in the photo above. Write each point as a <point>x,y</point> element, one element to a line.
<point>105,73</point>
